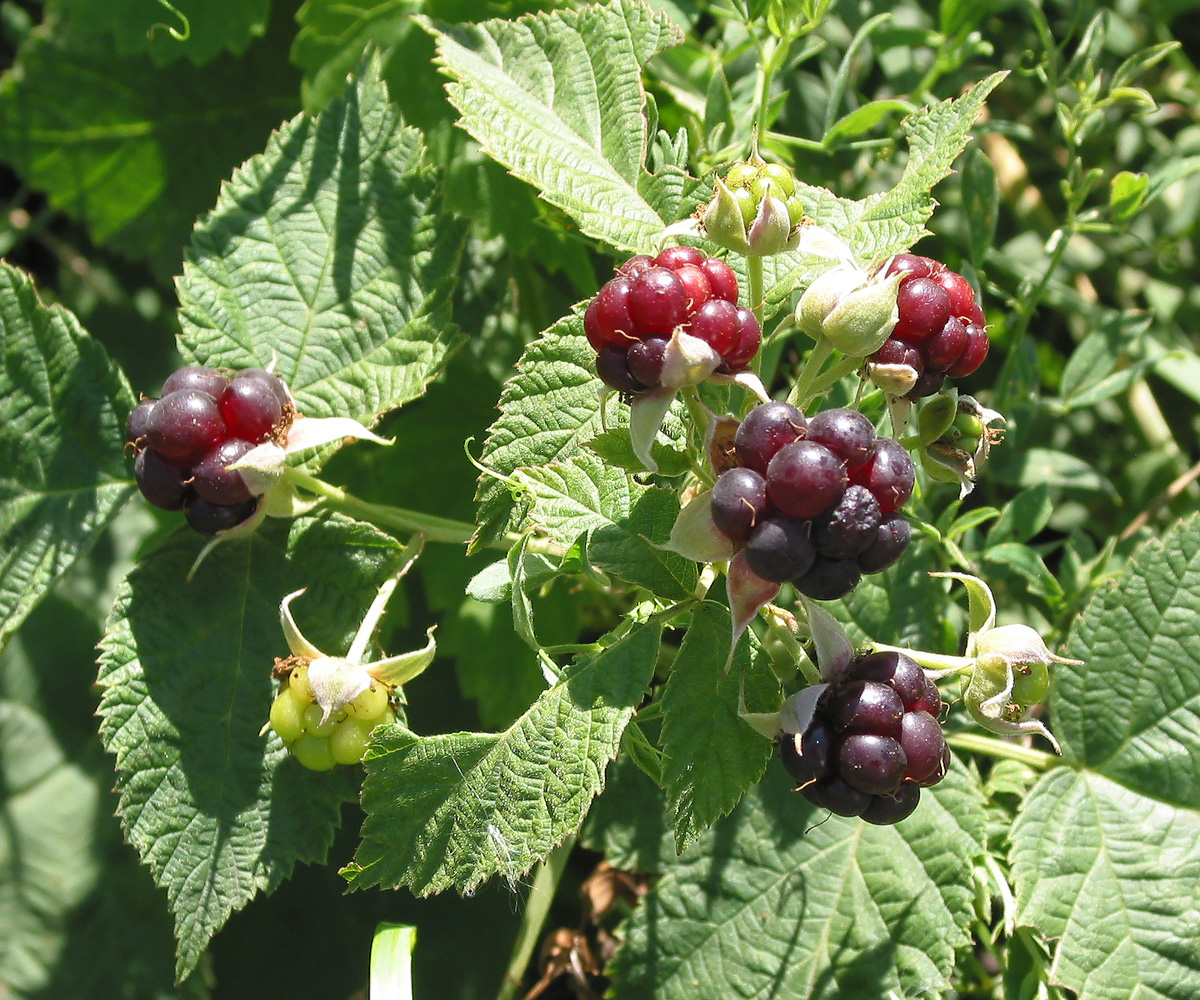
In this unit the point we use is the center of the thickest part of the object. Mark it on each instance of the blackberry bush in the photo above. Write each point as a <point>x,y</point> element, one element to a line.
<point>646,300</point>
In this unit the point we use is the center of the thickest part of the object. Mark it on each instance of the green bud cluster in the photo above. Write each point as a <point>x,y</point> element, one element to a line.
<point>753,180</point>
<point>319,743</point>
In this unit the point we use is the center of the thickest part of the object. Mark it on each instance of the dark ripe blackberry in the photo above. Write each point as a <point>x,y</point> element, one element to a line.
<point>847,433</point>
<point>872,764</point>
<point>928,383</point>
<point>805,478</point>
<point>916,266</point>
<point>828,579</point>
<point>716,323</point>
<point>196,377</point>
<point>807,758</point>
<point>721,279</point>
<point>947,347</point>
<point>160,483</point>
<point>208,518</point>
<point>849,526</point>
<point>939,772</point>
<point>900,352</point>
<point>673,258</point>
<point>658,302</point>
<point>779,548</point>
<point>613,368</point>
<point>890,475</point>
<point>635,265</point>
<point>746,343</point>
<point>973,354</point>
<point>885,810</point>
<point>184,425</point>
<point>923,306</point>
<point>898,670</point>
<point>739,500</point>
<point>138,422</point>
<point>213,481</point>
<point>923,744</point>
<point>645,360</point>
<point>612,321</point>
<point>251,409</point>
<point>765,430</point>
<point>867,707</point>
<point>695,284</point>
<point>930,700</point>
<point>890,542</point>
<point>837,796</point>
<point>962,295</point>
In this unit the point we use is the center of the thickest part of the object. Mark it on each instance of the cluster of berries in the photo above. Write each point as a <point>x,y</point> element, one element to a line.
<point>752,181</point>
<point>941,329</point>
<point>186,441</point>
<point>340,739</point>
<point>632,318</point>
<point>873,743</point>
<point>815,502</point>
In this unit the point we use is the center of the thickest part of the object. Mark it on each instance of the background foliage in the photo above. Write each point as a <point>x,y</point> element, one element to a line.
<point>391,257</point>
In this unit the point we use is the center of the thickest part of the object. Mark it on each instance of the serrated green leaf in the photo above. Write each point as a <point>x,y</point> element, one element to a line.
<point>893,221</point>
<point>784,900</point>
<point>711,757</point>
<point>50,810</point>
<point>213,26</point>
<point>1098,354</point>
<point>862,120</point>
<point>981,202</point>
<point>616,448</point>
<point>454,810</point>
<point>63,406</point>
<point>618,517</point>
<point>1111,873</point>
<point>558,99</point>
<point>550,411</point>
<point>218,811</point>
<point>1024,516</point>
<point>1058,468</point>
<point>333,36</point>
<point>1119,882</point>
<point>903,602</point>
<point>133,152</point>
<point>330,252</point>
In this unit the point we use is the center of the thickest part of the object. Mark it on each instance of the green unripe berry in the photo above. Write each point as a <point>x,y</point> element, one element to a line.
<point>298,683</point>
<point>747,204</point>
<point>741,174</point>
<point>370,705</point>
<point>764,187</point>
<point>781,177</point>
<point>287,716</point>
<point>349,740</point>
<point>795,209</point>
<point>1030,683</point>
<point>313,752</point>
<point>969,425</point>
<point>313,725</point>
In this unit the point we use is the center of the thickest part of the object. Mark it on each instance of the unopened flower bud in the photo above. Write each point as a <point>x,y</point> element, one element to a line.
<point>854,312</point>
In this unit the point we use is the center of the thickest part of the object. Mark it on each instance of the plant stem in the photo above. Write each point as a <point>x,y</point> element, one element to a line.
<point>991,747</point>
<point>435,529</point>
<point>754,271</point>
<point>812,366</point>
<point>537,907</point>
<point>827,380</point>
<point>931,661</point>
<point>409,556</point>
